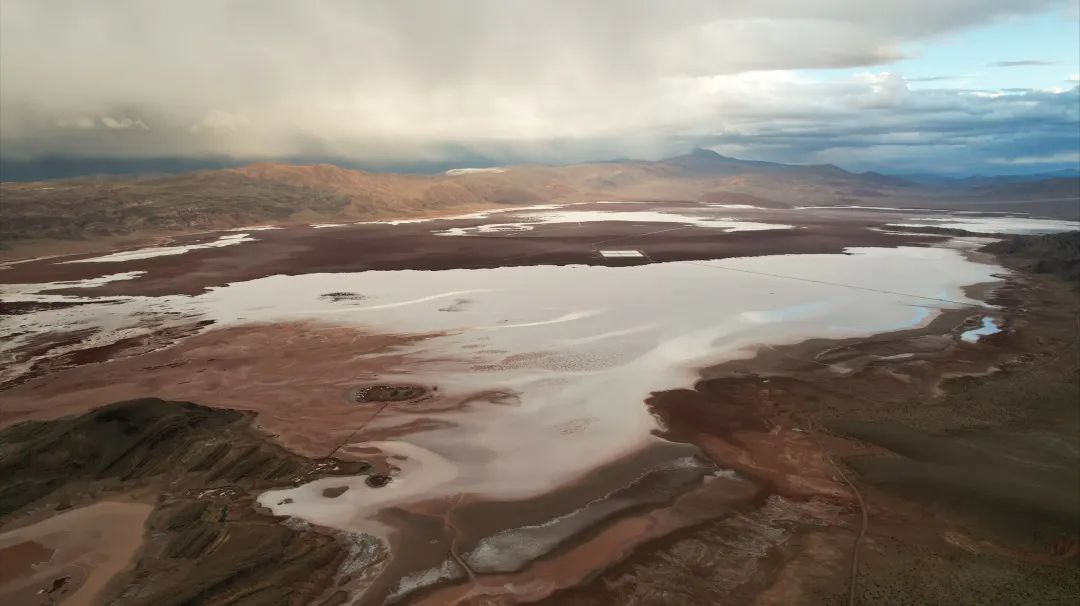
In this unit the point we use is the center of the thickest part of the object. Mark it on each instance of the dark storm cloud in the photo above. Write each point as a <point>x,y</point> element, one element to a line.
<point>503,80</point>
<point>949,131</point>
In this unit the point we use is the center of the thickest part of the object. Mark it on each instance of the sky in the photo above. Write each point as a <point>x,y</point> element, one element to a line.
<point>897,86</point>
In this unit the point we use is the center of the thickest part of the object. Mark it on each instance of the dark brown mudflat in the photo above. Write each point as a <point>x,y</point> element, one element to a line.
<point>302,250</point>
<point>387,393</point>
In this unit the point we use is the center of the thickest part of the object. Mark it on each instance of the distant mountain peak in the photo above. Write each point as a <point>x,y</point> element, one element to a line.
<point>701,152</point>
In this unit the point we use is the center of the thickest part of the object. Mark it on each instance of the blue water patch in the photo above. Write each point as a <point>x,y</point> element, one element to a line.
<point>919,315</point>
<point>989,327</point>
<point>793,312</point>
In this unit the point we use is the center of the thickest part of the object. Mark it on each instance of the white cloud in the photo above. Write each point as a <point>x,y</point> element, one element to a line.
<point>88,123</point>
<point>220,122</point>
<point>122,123</point>
<point>1058,158</point>
<point>886,90</point>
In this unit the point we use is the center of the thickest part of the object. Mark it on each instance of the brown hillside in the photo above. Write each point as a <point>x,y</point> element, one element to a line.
<point>283,193</point>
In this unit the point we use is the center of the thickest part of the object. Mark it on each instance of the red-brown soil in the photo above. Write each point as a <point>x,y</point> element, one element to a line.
<point>354,248</point>
<point>931,463</point>
<point>296,376</point>
<point>932,442</point>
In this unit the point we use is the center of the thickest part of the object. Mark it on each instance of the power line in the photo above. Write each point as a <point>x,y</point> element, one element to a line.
<point>840,284</point>
<point>593,246</point>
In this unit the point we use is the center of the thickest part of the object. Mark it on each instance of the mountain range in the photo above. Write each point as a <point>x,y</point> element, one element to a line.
<point>96,207</point>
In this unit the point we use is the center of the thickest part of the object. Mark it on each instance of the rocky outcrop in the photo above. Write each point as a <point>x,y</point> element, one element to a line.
<point>207,541</point>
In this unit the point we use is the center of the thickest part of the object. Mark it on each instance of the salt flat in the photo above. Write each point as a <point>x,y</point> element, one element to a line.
<point>576,349</point>
<point>535,375</point>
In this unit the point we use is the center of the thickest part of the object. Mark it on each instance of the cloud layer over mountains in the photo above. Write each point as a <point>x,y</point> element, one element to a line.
<point>511,81</point>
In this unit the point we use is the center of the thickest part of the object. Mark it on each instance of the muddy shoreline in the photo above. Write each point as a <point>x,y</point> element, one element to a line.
<point>925,455</point>
<point>761,517</point>
<point>776,464</point>
<point>786,464</point>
